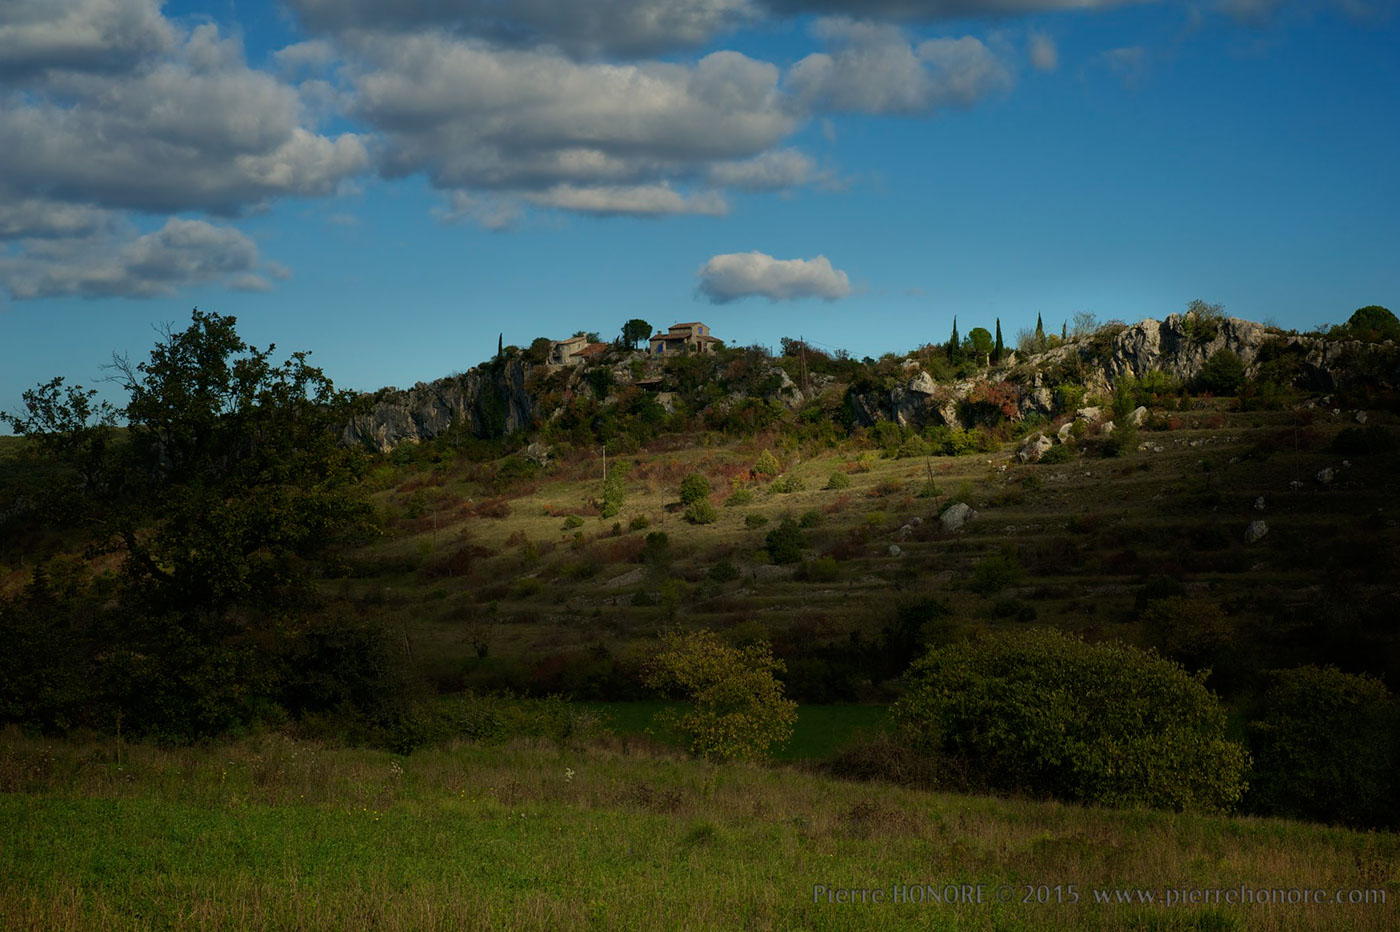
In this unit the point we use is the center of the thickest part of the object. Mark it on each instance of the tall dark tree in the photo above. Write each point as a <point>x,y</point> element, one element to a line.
<point>1064,331</point>
<point>954,344</point>
<point>1001,348</point>
<point>635,331</point>
<point>234,483</point>
<point>1039,329</point>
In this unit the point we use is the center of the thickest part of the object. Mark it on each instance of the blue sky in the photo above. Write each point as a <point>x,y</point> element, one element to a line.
<point>392,185</point>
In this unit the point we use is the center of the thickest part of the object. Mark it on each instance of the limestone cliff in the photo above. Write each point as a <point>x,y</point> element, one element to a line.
<point>488,401</point>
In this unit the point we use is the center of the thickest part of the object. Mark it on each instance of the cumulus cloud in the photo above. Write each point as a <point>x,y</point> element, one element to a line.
<point>732,276</point>
<point>910,10</point>
<point>625,27</point>
<point>37,36</point>
<point>40,218</point>
<point>181,253</point>
<point>197,130</point>
<point>539,124</point>
<point>874,68</point>
<point>1043,53</point>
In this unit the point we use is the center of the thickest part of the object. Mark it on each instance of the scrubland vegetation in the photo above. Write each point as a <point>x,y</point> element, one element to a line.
<point>357,643</point>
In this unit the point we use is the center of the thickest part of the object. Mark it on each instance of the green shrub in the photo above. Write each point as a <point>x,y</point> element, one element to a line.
<point>755,521</point>
<point>767,464</point>
<point>1223,373</point>
<point>838,480</point>
<point>614,492</point>
<point>572,521</point>
<point>1059,453</point>
<point>417,505</point>
<point>701,511</point>
<point>810,518</point>
<point>788,483</point>
<point>739,497</point>
<point>693,488</point>
<point>1326,748</point>
<point>994,574</point>
<point>785,542</point>
<point>724,571</point>
<point>821,569</point>
<point>1189,630</point>
<point>737,708</point>
<point>638,523</point>
<point>876,518</point>
<point>1363,440</point>
<point>1042,711</point>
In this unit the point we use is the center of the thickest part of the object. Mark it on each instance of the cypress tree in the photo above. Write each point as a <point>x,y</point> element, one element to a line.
<point>500,345</point>
<point>1039,327</point>
<point>1064,331</point>
<point>953,340</point>
<point>1000,348</point>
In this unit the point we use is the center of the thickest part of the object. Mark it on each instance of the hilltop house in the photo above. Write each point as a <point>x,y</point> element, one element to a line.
<point>693,337</point>
<point>565,352</point>
<point>575,351</point>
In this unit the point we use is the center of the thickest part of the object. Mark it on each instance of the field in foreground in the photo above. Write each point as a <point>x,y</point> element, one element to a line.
<point>273,833</point>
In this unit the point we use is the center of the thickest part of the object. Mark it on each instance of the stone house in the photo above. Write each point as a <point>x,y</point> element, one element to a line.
<point>692,337</point>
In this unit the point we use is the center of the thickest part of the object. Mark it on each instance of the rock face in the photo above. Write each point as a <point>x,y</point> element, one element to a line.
<point>956,516</point>
<point>488,401</point>
<point>1032,449</point>
<point>1166,346</point>
<point>1255,532</point>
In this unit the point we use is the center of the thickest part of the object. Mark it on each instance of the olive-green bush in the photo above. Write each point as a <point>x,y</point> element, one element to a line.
<point>1044,712</point>
<point>1327,746</point>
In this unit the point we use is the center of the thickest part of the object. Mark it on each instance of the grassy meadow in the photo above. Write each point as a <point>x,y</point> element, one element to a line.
<point>269,832</point>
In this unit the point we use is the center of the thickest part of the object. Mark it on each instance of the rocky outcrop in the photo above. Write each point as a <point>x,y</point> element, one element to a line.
<point>1174,346</point>
<point>487,401</point>
<point>956,516</point>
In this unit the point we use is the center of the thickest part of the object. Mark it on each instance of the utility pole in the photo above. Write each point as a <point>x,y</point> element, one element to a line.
<point>803,341</point>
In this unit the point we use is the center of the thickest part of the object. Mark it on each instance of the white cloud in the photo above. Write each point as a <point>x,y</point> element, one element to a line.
<point>780,168</point>
<point>37,217</point>
<point>874,68</point>
<point>626,27</point>
<point>1043,53</point>
<point>913,10</point>
<point>196,130</point>
<point>79,35</point>
<point>536,123</point>
<point>732,276</point>
<point>181,253</point>
<point>652,200</point>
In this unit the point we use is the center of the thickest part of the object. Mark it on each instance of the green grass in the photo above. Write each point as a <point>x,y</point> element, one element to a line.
<point>272,833</point>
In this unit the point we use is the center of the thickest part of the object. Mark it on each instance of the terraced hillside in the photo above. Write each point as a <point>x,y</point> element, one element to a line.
<point>504,573</point>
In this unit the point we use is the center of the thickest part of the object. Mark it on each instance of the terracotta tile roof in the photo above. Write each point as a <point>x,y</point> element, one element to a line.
<point>592,350</point>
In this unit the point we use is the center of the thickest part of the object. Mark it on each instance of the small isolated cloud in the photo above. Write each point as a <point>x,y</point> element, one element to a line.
<point>182,252</point>
<point>492,212</point>
<point>736,275</point>
<point>781,168</point>
<point>1044,55</point>
<point>1128,63</point>
<point>643,200</point>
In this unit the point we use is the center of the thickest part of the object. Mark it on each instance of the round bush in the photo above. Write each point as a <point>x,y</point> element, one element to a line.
<point>693,488</point>
<point>1326,748</point>
<point>1045,712</point>
<point>701,511</point>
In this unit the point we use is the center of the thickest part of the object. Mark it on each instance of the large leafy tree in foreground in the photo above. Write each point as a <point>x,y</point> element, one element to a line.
<point>231,483</point>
